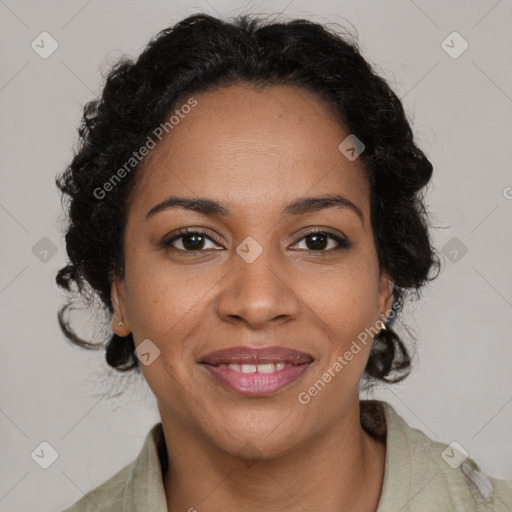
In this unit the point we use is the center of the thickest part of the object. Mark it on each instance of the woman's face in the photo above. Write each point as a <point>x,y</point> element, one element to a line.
<point>254,278</point>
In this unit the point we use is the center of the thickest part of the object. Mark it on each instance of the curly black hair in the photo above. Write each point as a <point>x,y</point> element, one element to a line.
<point>198,54</point>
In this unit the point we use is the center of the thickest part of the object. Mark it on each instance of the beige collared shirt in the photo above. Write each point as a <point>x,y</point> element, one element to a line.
<point>421,475</point>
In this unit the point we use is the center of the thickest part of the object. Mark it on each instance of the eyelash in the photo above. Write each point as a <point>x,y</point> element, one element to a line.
<point>342,243</point>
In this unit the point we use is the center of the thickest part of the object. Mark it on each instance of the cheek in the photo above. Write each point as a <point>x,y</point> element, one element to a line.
<point>346,307</point>
<point>167,302</point>
<point>346,298</point>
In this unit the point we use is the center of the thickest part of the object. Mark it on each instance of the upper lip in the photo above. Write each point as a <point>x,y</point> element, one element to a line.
<point>251,355</point>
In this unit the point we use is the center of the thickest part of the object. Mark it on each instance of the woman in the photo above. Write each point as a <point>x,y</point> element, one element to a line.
<point>247,203</point>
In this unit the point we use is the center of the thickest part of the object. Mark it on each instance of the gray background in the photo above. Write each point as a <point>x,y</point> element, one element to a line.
<point>460,108</point>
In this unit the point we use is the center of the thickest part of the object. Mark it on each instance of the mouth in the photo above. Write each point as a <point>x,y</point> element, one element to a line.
<point>256,371</point>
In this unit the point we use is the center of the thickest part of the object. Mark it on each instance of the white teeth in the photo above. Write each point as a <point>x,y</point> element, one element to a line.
<point>259,368</point>
<point>248,368</point>
<point>266,368</point>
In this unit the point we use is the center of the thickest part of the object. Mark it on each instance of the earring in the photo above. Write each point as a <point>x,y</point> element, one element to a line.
<point>120,324</point>
<point>383,326</point>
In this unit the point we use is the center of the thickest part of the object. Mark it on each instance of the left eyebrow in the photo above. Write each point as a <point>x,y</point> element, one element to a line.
<point>299,206</point>
<point>312,204</point>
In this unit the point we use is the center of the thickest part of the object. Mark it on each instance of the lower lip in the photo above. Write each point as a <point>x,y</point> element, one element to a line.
<point>256,384</point>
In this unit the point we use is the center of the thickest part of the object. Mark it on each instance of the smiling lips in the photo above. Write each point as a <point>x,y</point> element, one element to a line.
<point>256,371</point>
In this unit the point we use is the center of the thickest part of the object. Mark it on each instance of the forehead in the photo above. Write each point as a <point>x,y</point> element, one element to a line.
<point>252,148</point>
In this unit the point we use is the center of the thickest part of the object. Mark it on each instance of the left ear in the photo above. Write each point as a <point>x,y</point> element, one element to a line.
<point>385,294</point>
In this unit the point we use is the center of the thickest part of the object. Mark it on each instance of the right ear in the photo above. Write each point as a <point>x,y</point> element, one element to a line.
<point>118,297</point>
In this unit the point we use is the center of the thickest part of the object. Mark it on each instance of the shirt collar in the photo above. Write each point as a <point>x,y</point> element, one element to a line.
<point>144,489</point>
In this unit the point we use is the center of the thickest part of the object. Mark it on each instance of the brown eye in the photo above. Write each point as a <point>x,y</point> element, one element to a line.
<point>194,240</point>
<point>190,240</point>
<point>318,241</point>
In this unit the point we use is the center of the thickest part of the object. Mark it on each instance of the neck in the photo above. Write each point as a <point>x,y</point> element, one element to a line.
<point>340,469</point>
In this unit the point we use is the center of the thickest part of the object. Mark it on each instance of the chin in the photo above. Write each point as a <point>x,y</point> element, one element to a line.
<point>252,449</point>
<point>258,434</point>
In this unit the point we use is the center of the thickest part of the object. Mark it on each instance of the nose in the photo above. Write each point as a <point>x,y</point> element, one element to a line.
<point>259,293</point>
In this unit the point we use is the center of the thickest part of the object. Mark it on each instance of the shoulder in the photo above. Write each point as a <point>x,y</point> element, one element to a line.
<point>423,474</point>
<point>107,496</point>
<point>488,493</point>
